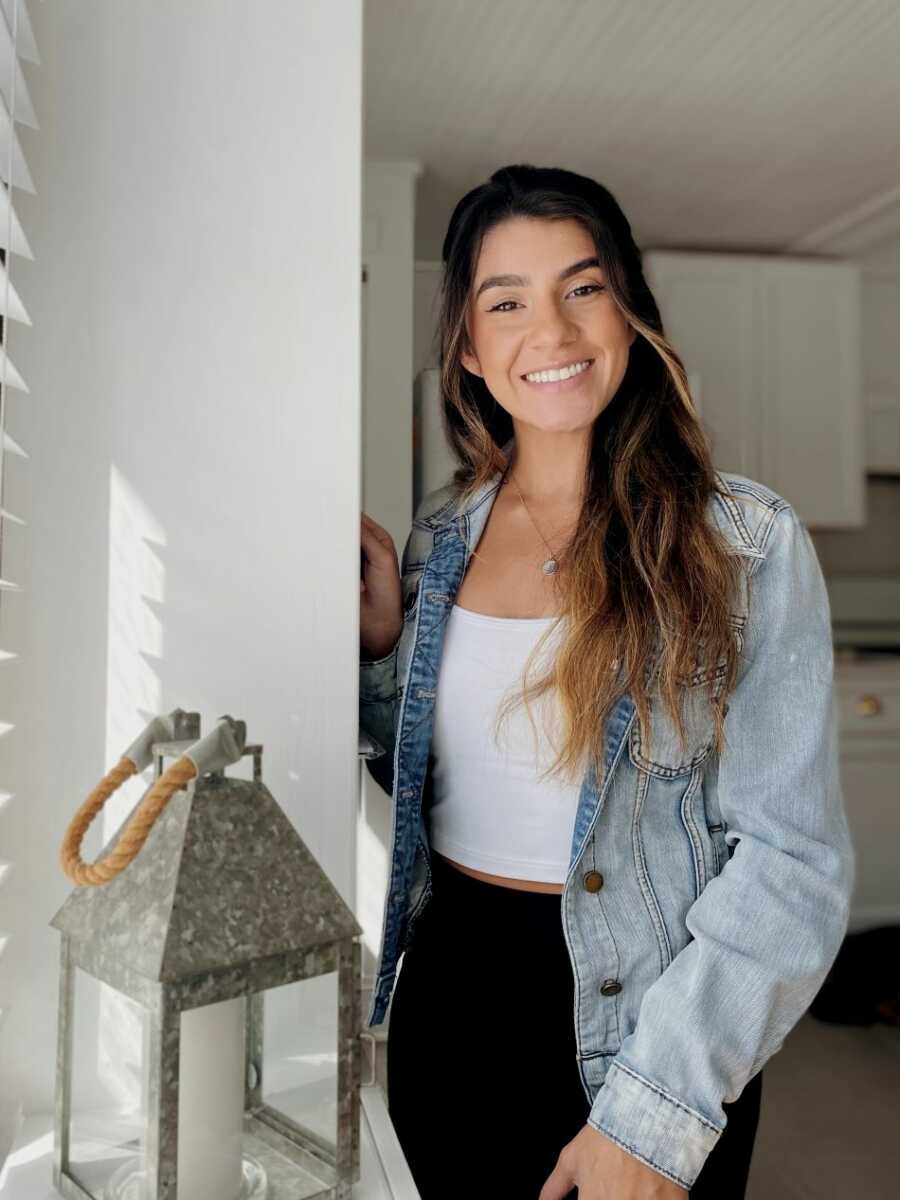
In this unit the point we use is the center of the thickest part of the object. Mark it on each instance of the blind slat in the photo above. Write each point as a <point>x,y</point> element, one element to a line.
<point>10,229</point>
<point>20,173</point>
<point>11,446</point>
<point>16,309</point>
<point>25,43</point>
<point>25,114</point>
<point>13,378</point>
<point>16,43</point>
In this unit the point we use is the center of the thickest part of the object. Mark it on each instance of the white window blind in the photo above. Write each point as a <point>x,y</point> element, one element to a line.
<point>16,45</point>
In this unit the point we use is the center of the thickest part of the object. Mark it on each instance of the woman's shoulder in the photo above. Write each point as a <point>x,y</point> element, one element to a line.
<point>751,514</point>
<point>751,491</point>
<point>435,505</point>
<point>789,583</point>
<point>790,607</point>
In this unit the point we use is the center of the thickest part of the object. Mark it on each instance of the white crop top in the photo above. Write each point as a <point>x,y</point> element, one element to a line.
<point>489,809</point>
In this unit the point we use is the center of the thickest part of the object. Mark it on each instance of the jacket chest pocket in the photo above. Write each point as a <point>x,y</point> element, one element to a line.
<point>659,752</point>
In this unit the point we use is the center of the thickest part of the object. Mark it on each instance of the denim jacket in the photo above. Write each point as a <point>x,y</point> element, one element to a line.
<point>707,894</point>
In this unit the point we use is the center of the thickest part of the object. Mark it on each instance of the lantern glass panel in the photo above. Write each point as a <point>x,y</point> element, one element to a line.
<point>299,1062</point>
<point>108,1113</point>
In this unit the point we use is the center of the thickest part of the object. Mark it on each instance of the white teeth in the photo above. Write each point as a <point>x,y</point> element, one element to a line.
<point>555,376</point>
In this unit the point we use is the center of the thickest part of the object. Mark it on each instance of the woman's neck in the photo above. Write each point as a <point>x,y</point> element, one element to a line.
<point>549,473</point>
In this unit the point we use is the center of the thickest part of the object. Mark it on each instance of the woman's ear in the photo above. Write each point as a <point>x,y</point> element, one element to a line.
<point>466,357</point>
<point>470,362</point>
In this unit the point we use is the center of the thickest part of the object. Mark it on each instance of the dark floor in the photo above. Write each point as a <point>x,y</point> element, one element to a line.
<point>830,1120</point>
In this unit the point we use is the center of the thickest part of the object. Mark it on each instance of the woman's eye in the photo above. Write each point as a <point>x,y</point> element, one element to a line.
<point>584,288</point>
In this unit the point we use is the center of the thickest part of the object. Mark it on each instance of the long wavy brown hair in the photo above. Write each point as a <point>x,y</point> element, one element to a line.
<point>646,584</point>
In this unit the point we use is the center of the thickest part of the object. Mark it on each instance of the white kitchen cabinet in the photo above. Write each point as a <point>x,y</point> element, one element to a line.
<point>775,342</point>
<point>881,323</point>
<point>867,692</point>
<point>883,433</point>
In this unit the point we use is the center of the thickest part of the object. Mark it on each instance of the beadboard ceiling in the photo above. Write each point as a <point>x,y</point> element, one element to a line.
<point>717,124</point>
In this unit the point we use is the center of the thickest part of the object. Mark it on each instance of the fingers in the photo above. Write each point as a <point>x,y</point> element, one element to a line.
<point>373,535</point>
<point>371,525</point>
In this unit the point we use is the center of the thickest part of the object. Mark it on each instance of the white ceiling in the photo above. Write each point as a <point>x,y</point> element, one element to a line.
<point>721,124</point>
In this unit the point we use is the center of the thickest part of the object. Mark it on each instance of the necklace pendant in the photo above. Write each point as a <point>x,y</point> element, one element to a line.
<point>550,566</point>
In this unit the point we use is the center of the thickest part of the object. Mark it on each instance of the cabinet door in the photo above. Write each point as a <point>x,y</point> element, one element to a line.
<point>881,369</point>
<point>883,433</point>
<point>811,404</point>
<point>707,306</point>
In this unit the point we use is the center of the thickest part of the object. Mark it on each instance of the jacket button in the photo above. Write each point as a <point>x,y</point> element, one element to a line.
<point>610,987</point>
<point>593,881</point>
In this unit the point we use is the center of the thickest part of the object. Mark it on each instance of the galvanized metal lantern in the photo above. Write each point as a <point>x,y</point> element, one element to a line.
<point>198,1058</point>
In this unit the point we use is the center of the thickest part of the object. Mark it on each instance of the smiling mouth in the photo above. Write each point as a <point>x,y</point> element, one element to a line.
<point>559,374</point>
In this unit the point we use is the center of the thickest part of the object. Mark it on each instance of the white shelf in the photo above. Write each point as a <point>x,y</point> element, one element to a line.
<point>384,1174</point>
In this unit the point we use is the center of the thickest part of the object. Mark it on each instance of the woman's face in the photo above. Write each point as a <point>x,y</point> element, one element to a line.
<point>523,317</point>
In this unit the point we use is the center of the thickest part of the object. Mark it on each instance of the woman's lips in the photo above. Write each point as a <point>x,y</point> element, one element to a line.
<point>561,385</point>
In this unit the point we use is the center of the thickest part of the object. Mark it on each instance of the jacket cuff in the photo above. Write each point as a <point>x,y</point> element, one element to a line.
<point>654,1126</point>
<point>378,678</point>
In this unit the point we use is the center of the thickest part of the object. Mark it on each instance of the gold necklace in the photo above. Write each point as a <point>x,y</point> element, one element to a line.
<point>551,565</point>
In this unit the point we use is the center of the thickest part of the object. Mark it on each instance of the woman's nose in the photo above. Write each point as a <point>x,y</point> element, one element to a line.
<point>552,327</point>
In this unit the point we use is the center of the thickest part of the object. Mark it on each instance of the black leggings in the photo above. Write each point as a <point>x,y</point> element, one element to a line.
<point>483,1085</point>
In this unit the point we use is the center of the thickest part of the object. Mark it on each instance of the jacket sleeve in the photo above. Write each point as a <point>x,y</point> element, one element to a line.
<point>765,931</point>
<point>379,702</point>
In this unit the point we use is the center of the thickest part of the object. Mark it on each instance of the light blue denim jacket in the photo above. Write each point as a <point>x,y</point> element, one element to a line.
<point>724,879</point>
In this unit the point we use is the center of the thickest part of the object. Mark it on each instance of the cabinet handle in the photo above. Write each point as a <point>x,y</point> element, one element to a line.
<point>868,706</point>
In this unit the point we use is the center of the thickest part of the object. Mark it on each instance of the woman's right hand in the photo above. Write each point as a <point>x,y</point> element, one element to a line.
<point>380,592</point>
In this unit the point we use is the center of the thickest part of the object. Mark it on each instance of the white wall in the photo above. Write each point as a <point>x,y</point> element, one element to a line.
<point>194,430</point>
<point>388,316</point>
<point>388,236</point>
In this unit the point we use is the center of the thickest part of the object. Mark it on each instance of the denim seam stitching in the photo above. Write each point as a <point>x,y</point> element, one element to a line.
<point>733,509</point>
<point>768,498</point>
<point>673,1175</point>
<point>693,831</point>
<point>643,876</point>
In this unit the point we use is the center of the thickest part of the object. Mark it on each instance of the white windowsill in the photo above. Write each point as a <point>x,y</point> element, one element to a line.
<point>384,1174</point>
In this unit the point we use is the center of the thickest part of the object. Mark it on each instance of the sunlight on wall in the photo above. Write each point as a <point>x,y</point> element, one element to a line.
<point>112,1076</point>
<point>135,635</point>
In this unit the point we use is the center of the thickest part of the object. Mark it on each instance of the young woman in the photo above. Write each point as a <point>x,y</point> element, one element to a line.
<point>612,903</point>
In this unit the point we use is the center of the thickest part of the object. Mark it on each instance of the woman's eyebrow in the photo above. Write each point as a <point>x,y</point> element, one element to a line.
<point>524,280</point>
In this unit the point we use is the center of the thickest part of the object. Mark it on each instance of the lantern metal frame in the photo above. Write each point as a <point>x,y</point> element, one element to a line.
<point>320,1169</point>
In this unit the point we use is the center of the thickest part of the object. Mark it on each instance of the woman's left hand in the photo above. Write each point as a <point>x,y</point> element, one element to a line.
<point>601,1170</point>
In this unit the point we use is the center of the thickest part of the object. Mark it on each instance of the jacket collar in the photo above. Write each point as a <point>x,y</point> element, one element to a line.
<point>725,510</point>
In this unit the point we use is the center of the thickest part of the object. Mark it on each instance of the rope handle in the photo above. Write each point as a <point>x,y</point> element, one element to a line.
<point>224,745</point>
<point>133,836</point>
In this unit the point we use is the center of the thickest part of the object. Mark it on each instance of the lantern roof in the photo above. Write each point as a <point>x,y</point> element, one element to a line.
<point>223,880</point>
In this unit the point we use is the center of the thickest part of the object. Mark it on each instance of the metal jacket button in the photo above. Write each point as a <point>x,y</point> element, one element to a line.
<point>593,881</point>
<point>610,987</point>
